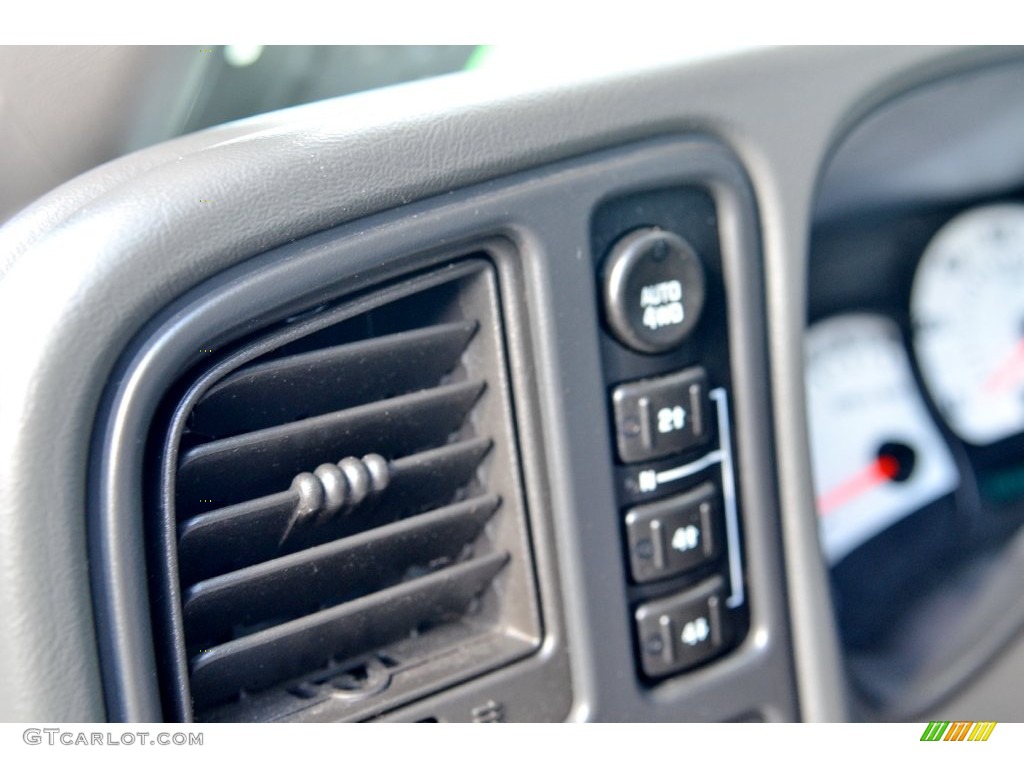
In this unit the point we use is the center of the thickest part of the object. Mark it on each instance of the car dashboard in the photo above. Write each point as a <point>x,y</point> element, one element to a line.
<point>693,393</point>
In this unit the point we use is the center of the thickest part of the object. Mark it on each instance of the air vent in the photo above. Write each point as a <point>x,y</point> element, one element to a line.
<point>346,530</point>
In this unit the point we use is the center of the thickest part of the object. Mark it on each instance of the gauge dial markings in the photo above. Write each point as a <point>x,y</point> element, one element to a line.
<point>877,455</point>
<point>967,310</point>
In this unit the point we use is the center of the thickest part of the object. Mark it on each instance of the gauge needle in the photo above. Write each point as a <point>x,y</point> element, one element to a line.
<point>880,471</point>
<point>1008,371</point>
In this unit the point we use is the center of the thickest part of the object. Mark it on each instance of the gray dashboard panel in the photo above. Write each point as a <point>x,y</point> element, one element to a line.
<point>945,141</point>
<point>137,237</point>
<point>546,214</point>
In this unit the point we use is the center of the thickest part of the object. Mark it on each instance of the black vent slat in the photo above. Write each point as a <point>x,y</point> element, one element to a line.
<point>233,537</point>
<point>330,573</point>
<point>254,531</point>
<point>431,477</point>
<point>331,379</point>
<point>287,650</point>
<point>259,463</point>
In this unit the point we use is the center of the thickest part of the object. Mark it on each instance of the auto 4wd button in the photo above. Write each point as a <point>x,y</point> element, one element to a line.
<point>653,290</point>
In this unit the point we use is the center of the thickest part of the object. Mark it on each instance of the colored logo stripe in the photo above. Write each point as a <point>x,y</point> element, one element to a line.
<point>981,732</point>
<point>958,731</point>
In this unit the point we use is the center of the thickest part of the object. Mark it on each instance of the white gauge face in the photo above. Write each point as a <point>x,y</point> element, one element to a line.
<point>877,455</point>
<point>967,308</point>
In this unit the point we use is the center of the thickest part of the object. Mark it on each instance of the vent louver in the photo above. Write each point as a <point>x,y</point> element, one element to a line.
<point>348,522</point>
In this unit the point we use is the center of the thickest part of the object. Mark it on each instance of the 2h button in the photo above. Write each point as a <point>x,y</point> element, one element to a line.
<point>659,417</point>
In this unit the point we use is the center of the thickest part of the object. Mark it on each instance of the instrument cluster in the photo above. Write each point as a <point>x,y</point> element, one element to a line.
<point>914,371</point>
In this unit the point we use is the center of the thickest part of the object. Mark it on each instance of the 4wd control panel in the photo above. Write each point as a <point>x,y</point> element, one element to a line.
<point>665,354</point>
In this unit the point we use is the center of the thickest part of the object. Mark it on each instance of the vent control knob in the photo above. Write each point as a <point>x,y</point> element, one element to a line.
<point>653,290</point>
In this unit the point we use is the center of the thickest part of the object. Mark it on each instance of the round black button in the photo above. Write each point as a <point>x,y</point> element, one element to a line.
<point>653,290</point>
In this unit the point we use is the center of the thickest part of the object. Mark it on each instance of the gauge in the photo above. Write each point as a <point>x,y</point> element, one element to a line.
<point>967,308</point>
<point>877,455</point>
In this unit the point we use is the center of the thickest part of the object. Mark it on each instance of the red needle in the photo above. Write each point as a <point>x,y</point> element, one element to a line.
<point>881,470</point>
<point>1008,371</point>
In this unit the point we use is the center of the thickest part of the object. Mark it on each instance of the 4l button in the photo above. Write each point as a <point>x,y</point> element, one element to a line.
<point>682,631</point>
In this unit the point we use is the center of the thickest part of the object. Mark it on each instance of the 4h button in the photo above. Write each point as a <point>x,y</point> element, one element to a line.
<point>672,535</point>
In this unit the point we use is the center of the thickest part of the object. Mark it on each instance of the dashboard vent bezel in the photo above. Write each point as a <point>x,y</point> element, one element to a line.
<point>373,681</point>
